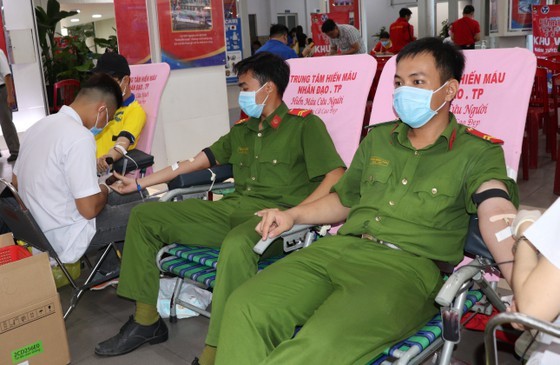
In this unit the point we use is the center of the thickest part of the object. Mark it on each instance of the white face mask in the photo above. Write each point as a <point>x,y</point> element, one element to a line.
<point>248,102</point>
<point>413,105</point>
<point>120,85</point>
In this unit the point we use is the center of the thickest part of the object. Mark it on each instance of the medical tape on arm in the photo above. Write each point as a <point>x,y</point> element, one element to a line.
<point>506,232</point>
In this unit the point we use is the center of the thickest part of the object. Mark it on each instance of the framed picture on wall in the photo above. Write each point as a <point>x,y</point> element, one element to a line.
<point>493,17</point>
<point>519,11</point>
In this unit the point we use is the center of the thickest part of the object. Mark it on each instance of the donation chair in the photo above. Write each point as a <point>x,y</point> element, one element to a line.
<point>64,93</point>
<point>198,264</point>
<point>24,228</point>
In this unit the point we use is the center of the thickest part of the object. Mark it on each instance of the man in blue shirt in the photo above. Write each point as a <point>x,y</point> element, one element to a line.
<point>277,44</point>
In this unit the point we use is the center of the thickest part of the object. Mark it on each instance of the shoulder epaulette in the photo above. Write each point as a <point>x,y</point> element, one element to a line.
<point>241,121</point>
<point>484,136</point>
<point>394,122</point>
<point>300,112</point>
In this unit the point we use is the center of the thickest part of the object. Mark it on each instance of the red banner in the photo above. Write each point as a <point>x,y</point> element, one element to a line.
<point>132,30</point>
<point>321,40</point>
<point>192,32</point>
<point>546,29</point>
<point>349,7</point>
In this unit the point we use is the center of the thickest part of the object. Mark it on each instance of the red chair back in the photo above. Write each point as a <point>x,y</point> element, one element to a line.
<point>64,93</point>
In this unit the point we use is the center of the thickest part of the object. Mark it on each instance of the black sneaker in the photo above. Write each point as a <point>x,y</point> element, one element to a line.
<point>131,336</point>
<point>12,158</point>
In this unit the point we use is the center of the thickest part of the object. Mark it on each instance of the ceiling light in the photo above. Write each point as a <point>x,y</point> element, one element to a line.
<point>96,16</point>
<point>74,20</point>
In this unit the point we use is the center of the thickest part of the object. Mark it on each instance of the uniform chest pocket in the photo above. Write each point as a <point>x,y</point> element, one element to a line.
<point>280,158</point>
<point>239,160</point>
<point>376,175</point>
<point>436,195</point>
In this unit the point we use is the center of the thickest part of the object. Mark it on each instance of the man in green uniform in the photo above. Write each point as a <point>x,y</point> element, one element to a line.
<point>280,158</point>
<point>406,199</point>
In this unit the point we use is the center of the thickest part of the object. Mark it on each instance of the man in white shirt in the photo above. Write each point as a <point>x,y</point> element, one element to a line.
<point>7,102</point>
<point>343,37</point>
<point>56,173</point>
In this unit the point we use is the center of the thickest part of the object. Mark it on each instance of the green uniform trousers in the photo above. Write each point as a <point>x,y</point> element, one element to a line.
<point>353,298</point>
<point>229,223</point>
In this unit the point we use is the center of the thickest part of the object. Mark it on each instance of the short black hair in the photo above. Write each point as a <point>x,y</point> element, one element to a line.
<point>450,61</point>
<point>328,26</point>
<point>384,34</point>
<point>278,30</point>
<point>266,67</point>
<point>469,9</point>
<point>404,12</point>
<point>104,86</point>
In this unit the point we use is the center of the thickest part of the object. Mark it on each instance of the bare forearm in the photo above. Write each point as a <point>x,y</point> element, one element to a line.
<point>164,175</point>
<point>501,250</point>
<point>328,210</point>
<point>115,153</point>
<point>324,188</point>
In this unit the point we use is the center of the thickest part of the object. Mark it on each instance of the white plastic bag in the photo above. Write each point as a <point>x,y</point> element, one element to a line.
<point>189,293</point>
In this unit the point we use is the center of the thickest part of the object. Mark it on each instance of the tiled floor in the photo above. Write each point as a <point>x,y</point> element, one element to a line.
<point>100,314</point>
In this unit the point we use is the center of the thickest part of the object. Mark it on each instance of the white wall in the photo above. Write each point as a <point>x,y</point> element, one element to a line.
<point>193,114</point>
<point>18,15</point>
<point>103,29</point>
<point>266,12</point>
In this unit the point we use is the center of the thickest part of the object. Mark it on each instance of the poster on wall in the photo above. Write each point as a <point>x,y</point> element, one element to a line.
<point>520,14</point>
<point>234,48</point>
<point>493,17</point>
<point>192,33</point>
<point>349,7</point>
<point>321,40</point>
<point>131,19</point>
<point>546,29</point>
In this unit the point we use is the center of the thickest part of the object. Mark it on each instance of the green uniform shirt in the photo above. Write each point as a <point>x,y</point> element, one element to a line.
<point>284,162</point>
<point>421,199</point>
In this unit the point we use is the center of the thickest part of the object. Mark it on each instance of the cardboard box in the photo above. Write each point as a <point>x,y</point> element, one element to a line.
<point>32,329</point>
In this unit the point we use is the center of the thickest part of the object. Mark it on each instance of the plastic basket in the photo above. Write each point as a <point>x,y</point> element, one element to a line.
<point>13,253</point>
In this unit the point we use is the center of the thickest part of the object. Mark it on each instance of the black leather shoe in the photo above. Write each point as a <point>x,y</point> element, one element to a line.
<point>131,336</point>
<point>195,361</point>
<point>12,158</point>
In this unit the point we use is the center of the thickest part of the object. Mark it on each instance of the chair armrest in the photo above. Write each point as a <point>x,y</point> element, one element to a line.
<point>142,159</point>
<point>527,321</point>
<point>223,172</point>
<point>454,284</point>
<point>299,236</point>
<point>201,190</point>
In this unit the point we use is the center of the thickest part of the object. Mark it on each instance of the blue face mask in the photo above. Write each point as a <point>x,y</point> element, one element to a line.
<point>385,43</point>
<point>248,103</point>
<point>95,130</point>
<point>412,105</point>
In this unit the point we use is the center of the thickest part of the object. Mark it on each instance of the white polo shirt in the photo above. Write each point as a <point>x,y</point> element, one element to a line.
<point>4,67</point>
<point>55,166</point>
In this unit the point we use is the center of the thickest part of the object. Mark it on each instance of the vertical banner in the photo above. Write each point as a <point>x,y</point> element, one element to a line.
<point>322,42</point>
<point>336,89</point>
<point>546,29</point>
<point>131,19</point>
<point>493,96</point>
<point>234,48</point>
<point>192,33</point>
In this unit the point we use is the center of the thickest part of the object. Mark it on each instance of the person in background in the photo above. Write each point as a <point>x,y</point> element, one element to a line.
<point>465,32</point>
<point>277,44</point>
<point>344,38</point>
<point>255,45</point>
<point>383,46</point>
<point>122,132</point>
<point>7,102</point>
<point>401,31</point>
<point>301,39</point>
<point>309,49</point>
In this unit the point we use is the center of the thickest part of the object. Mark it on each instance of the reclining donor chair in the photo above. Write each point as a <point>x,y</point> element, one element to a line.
<point>344,123</point>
